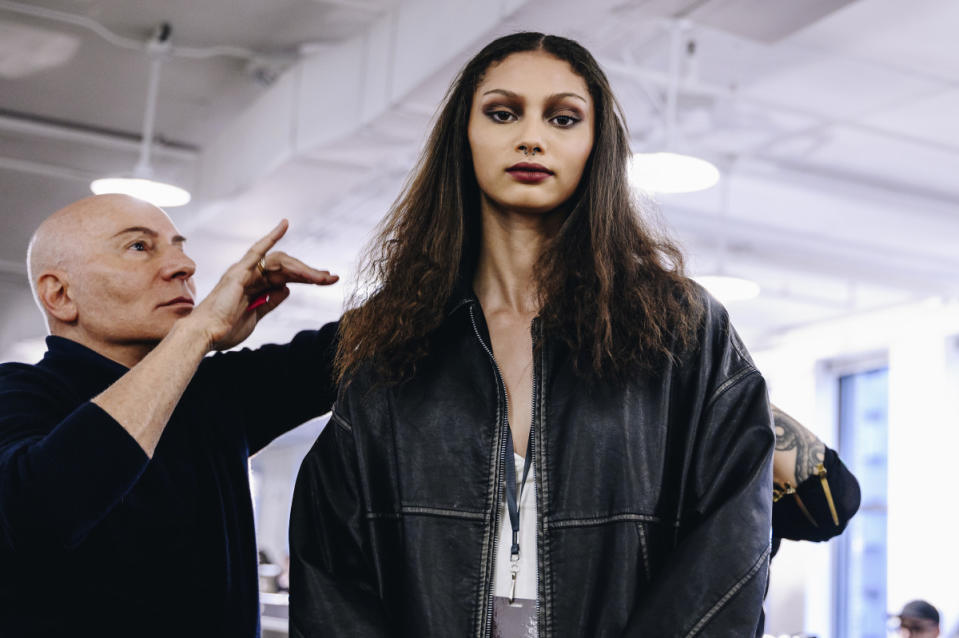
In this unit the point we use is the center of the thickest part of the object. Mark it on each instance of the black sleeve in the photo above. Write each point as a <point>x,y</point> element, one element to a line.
<point>713,582</point>
<point>333,587</point>
<point>54,484</point>
<point>821,506</point>
<point>280,386</point>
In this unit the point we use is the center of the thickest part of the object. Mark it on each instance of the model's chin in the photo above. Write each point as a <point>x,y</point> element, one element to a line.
<point>532,205</point>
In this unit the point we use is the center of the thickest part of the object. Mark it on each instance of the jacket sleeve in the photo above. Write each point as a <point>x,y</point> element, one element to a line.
<point>713,582</point>
<point>333,590</point>
<point>280,385</point>
<point>821,506</point>
<point>54,484</point>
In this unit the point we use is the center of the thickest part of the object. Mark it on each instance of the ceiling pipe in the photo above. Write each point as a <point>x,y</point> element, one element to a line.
<point>72,132</point>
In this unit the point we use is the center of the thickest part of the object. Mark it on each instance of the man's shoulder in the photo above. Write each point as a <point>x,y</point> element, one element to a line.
<point>318,347</point>
<point>16,375</point>
<point>35,380</point>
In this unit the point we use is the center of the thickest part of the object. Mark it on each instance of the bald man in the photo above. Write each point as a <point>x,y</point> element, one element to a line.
<point>125,506</point>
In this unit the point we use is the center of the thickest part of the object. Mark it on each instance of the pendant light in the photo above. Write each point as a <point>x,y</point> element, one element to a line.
<point>140,182</point>
<point>668,170</point>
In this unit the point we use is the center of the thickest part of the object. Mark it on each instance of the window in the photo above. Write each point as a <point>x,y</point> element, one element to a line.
<point>860,563</point>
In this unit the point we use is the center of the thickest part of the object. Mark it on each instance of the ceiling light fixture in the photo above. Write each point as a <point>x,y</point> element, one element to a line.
<point>140,182</point>
<point>669,171</point>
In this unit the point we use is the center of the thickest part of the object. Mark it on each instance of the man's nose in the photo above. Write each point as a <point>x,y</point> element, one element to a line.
<point>178,265</point>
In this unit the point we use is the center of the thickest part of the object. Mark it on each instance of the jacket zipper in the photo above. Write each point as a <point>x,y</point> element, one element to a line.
<point>488,586</point>
<point>487,628</point>
<point>536,477</point>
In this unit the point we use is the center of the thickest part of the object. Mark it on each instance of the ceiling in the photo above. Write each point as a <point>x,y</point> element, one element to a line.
<point>834,123</point>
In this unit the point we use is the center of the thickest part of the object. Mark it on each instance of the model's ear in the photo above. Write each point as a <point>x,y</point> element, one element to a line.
<point>54,296</point>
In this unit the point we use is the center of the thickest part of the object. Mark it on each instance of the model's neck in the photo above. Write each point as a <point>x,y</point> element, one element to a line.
<point>511,245</point>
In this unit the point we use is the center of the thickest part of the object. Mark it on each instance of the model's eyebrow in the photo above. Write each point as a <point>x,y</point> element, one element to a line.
<point>551,98</point>
<point>143,230</point>
<point>509,94</point>
<point>559,96</point>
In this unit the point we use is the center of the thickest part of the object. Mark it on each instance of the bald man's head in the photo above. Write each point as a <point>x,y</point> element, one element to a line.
<point>105,263</point>
<point>61,240</point>
<point>54,244</point>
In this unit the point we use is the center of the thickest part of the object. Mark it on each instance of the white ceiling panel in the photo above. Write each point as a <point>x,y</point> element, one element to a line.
<point>836,87</point>
<point>934,118</point>
<point>918,36</point>
<point>889,159</point>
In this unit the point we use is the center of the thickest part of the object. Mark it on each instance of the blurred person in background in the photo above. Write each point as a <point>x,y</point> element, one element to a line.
<point>125,506</point>
<point>918,619</point>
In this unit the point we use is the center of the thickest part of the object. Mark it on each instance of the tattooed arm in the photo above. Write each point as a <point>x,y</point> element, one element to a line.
<point>798,451</point>
<point>815,493</point>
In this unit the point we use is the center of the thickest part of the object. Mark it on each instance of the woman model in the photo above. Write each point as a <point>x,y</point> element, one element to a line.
<point>525,322</point>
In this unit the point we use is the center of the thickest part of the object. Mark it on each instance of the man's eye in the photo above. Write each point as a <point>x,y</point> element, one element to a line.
<point>501,116</point>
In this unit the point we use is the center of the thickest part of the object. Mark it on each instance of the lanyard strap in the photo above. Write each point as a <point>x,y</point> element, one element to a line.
<point>514,494</point>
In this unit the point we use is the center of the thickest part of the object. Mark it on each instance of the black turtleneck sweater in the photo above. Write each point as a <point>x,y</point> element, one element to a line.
<point>97,539</point>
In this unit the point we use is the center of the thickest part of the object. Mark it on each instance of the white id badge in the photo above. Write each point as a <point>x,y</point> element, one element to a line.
<point>514,620</point>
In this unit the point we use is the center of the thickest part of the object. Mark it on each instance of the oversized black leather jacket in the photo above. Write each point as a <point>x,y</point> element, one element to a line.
<point>653,498</point>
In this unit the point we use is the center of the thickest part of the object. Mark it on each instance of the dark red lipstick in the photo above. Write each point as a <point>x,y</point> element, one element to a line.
<point>529,172</point>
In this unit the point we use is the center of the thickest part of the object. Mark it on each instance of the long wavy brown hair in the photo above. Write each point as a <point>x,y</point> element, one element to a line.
<point>609,287</point>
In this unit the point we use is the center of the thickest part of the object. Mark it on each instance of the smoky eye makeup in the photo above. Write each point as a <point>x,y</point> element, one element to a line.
<point>566,110</point>
<point>498,111</point>
<point>566,104</point>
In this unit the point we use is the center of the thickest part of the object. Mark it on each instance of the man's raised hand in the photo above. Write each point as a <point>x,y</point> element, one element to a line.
<point>250,289</point>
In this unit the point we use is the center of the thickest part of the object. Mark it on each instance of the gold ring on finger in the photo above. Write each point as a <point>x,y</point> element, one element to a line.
<point>261,266</point>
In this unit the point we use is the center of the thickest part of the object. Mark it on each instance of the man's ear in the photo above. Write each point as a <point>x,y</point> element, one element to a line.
<point>55,297</point>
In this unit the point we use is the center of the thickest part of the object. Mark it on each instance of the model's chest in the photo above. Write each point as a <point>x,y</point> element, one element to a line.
<point>600,450</point>
<point>513,350</point>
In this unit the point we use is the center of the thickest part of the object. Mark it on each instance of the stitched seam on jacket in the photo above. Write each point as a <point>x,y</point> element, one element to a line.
<point>440,511</point>
<point>340,421</point>
<point>462,302</point>
<point>413,510</point>
<point>737,586</point>
<point>643,548</point>
<point>738,347</point>
<point>372,516</point>
<point>729,383</point>
<point>603,520</point>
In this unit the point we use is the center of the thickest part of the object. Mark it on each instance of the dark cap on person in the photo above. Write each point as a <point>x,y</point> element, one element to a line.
<point>919,609</point>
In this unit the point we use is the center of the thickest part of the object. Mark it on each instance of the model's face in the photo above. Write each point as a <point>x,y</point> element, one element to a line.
<point>130,279</point>
<point>530,132</point>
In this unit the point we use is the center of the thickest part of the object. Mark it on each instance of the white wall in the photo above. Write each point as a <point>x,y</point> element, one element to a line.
<point>273,476</point>
<point>22,329</point>
<point>919,344</point>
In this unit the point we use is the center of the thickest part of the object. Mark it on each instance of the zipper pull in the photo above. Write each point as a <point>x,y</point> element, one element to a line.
<point>787,488</point>
<point>821,473</point>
